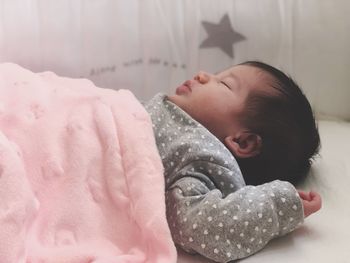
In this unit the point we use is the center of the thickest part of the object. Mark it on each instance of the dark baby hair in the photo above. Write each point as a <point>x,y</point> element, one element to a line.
<point>287,127</point>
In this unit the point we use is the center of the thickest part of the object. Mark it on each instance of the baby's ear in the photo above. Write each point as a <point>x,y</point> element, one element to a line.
<point>244,144</point>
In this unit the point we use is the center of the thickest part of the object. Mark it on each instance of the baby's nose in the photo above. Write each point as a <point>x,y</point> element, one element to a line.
<point>202,77</point>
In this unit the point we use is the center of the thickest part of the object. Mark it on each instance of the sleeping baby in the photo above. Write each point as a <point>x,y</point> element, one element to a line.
<point>233,145</point>
<point>76,186</point>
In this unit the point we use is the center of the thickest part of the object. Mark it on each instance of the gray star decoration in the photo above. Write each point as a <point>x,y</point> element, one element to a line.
<point>221,35</point>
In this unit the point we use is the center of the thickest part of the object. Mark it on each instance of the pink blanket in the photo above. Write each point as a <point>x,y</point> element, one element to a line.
<point>80,176</point>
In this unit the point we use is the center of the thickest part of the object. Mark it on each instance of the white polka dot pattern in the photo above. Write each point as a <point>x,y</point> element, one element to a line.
<point>222,231</point>
<point>209,208</point>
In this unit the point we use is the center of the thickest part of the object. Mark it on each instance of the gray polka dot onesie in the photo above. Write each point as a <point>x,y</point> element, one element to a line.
<point>210,210</point>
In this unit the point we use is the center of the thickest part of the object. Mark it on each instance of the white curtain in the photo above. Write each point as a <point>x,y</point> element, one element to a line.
<point>154,45</point>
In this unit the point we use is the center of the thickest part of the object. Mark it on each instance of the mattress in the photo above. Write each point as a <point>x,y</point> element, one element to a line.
<point>325,236</point>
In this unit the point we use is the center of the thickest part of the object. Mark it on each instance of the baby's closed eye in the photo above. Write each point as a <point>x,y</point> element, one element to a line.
<point>222,82</point>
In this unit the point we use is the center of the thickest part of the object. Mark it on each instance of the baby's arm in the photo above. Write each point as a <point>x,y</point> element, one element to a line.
<point>233,227</point>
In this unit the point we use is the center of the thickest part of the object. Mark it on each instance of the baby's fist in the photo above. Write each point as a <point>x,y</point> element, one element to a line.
<point>312,202</point>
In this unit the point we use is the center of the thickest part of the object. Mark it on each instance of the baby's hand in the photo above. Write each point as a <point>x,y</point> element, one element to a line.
<point>311,201</point>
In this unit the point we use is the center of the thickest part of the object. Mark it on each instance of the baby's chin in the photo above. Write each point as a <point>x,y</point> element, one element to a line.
<point>178,100</point>
<point>172,98</point>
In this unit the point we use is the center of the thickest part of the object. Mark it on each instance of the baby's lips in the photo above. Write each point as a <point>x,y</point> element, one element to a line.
<point>189,84</point>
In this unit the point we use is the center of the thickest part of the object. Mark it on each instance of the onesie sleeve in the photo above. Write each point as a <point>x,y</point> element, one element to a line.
<point>234,227</point>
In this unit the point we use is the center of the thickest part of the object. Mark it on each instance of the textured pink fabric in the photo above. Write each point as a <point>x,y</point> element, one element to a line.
<point>80,175</point>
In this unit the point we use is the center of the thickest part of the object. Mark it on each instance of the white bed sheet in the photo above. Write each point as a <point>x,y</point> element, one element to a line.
<point>325,236</point>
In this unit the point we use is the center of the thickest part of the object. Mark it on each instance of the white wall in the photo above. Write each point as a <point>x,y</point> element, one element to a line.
<point>153,45</point>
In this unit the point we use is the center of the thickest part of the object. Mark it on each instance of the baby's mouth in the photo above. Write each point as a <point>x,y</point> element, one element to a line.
<point>186,87</point>
<point>189,84</point>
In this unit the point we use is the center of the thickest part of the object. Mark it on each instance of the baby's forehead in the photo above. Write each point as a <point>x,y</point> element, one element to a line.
<point>246,70</point>
<point>226,70</point>
<point>236,69</point>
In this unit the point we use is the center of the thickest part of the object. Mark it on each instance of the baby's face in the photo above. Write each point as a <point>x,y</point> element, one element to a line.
<point>216,101</point>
